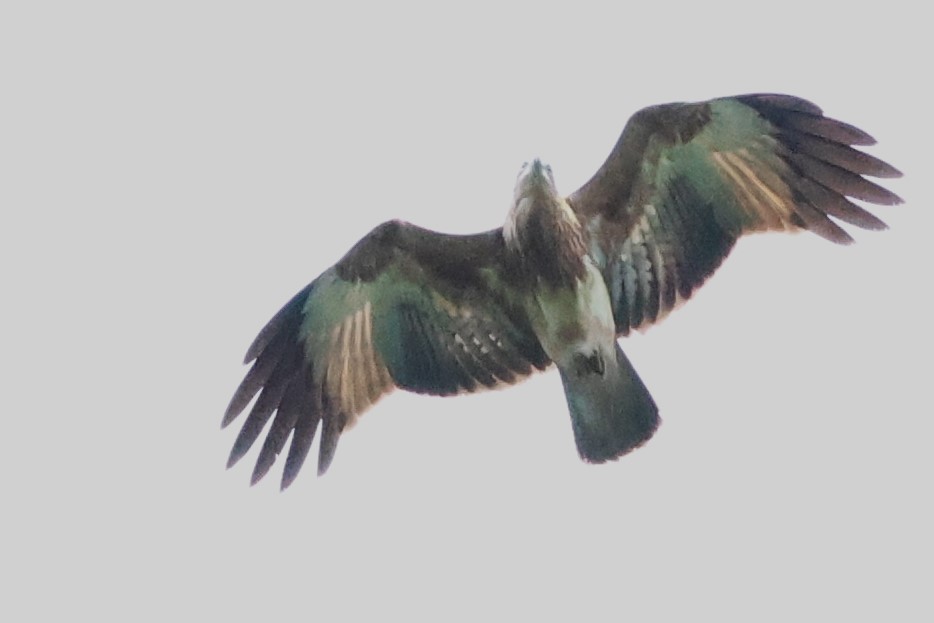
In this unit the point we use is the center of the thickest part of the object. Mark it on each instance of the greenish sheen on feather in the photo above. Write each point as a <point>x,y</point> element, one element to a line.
<point>733,127</point>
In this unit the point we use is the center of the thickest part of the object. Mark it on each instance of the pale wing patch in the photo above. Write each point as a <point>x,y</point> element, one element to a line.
<point>652,265</point>
<point>666,278</point>
<point>356,376</point>
<point>762,194</point>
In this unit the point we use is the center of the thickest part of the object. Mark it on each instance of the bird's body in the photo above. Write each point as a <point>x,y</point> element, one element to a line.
<point>562,279</point>
<point>569,306</point>
<point>563,291</point>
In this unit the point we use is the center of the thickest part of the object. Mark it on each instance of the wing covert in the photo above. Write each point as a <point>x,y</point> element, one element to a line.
<point>407,308</point>
<point>685,181</point>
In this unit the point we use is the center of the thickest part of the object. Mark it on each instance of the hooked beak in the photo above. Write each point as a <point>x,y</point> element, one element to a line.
<point>535,178</point>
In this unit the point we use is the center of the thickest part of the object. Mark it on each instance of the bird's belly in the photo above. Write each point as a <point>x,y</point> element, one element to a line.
<point>574,320</point>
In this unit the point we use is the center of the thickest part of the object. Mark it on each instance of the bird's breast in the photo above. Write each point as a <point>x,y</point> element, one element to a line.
<point>579,318</point>
<point>546,238</point>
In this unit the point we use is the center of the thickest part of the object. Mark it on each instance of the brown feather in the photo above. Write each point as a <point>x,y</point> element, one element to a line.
<point>296,409</point>
<point>608,192</point>
<point>263,408</point>
<point>308,409</point>
<point>331,428</point>
<point>840,180</point>
<point>781,103</point>
<point>837,154</point>
<point>255,379</point>
<point>837,205</point>
<point>277,436</point>
<point>829,129</point>
<point>286,316</point>
<point>816,221</point>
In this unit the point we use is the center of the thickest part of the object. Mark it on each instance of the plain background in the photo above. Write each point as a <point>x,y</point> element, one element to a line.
<point>172,172</point>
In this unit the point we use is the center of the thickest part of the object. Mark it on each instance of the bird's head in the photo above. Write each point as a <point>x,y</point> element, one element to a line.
<point>536,207</point>
<point>535,180</point>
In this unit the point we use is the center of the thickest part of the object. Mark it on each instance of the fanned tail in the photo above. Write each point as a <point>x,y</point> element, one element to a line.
<point>611,413</point>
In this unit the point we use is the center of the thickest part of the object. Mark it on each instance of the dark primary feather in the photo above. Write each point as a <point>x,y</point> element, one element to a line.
<point>279,376</point>
<point>685,181</point>
<point>406,307</point>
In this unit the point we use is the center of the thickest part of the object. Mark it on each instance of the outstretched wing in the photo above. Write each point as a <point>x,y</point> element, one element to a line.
<point>406,307</point>
<point>685,181</point>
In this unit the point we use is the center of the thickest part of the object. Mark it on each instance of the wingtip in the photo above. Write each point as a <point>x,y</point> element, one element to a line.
<point>876,224</point>
<point>323,465</point>
<point>296,458</point>
<point>240,448</point>
<point>230,414</point>
<point>233,458</point>
<point>855,135</point>
<point>251,353</point>
<point>287,480</point>
<point>266,335</point>
<point>781,101</point>
<point>290,471</point>
<point>886,171</point>
<point>263,464</point>
<point>889,199</point>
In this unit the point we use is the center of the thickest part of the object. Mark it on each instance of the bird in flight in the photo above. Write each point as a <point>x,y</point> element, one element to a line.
<point>559,282</point>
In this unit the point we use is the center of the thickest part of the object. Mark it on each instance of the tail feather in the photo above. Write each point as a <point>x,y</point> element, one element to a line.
<point>611,413</point>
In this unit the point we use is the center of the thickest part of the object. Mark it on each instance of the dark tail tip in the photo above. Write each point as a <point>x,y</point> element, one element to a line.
<point>611,414</point>
<point>630,432</point>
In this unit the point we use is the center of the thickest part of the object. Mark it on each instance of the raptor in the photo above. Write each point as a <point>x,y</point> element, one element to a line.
<point>558,283</point>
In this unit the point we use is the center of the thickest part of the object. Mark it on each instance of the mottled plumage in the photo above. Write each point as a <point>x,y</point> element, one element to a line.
<point>559,282</point>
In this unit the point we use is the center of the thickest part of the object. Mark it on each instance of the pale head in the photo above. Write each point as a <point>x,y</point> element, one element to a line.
<point>536,201</point>
<point>535,180</point>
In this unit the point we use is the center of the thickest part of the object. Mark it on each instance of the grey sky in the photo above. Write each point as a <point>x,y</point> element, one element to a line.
<point>173,174</point>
